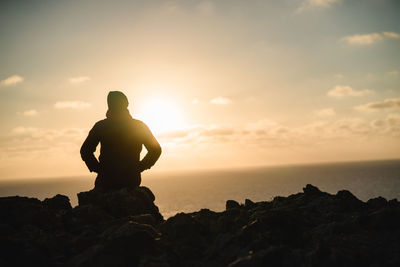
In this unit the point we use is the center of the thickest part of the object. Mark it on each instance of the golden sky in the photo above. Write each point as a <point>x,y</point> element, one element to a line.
<point>220,83</point>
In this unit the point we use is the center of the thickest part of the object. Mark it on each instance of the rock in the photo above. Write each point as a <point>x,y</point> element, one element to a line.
<point>243,262</point>
<point>124,228</point>
<point>273,256</point>
<point>144,219</point>
<point>311,190</point>
<point>386,218</point>
<point>130,228</point>
<point>123,202</point>
<point>147,192</point>
<point>376,203</point>
<point>58,202</point>
<point>232,204</point>
<point>394,203</point>
<point>180,226</point>
<point>20,211</point>
<point>87,215</point>
<point>248,203</point>
<point>346,201</point>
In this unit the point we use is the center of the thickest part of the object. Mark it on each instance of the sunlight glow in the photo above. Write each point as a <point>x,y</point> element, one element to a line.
<point>161,115</point>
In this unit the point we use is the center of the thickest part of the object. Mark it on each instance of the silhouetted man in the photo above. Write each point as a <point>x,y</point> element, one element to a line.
<point>121,138</point>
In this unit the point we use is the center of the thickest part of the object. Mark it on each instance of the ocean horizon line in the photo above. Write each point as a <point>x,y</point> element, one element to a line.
<point>155,173</point>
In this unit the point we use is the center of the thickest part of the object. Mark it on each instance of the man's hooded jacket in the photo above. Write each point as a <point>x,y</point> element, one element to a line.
<point>121,138</point>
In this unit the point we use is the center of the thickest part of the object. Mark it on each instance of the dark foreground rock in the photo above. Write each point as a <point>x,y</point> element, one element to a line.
<point>124,228</point>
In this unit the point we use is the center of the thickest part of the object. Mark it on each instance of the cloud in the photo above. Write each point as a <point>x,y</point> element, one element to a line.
<point>32,142</point>
<point>265,133</point>
<point>30,112</point>
<point>220,101</point>
<point>390,103</point>
<point>199,132</point>
<point>206,8</point>
<point>174,134</point>
<point>368,39</point>
<point>261,125</point>
<point>326,112</point>
<point>195,101</point>
<point>388,125</point>
<point>268,133</point>
<point>320,4</point>
<point>22,130</point>
<point>391,35</point>
<point>217,131</point>
<point>31,133</point>
<point>80,79</point>
<point>72,105</point>
<point>12,80</point>
<point>393,73</point>
<point>340,91</point>
<point>321,132</point>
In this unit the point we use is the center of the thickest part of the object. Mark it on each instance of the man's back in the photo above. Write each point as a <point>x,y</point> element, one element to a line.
<point>121,138</point>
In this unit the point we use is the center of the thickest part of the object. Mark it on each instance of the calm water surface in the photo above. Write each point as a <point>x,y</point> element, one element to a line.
<point>193,190</point>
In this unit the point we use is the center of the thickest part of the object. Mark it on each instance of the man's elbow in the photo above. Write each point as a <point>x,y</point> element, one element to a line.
<point>84,153</point>
<point>158,151</point>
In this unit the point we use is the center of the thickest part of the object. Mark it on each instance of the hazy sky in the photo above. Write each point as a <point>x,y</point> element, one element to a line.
<point>220,83</point>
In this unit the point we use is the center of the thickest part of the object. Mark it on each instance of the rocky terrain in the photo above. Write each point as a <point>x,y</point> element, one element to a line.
<point>125,228</point>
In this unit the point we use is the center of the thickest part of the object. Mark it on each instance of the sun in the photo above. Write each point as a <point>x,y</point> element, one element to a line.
<point>161,115</point>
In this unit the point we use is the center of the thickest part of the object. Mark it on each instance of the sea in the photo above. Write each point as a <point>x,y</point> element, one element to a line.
<point>189,191</point>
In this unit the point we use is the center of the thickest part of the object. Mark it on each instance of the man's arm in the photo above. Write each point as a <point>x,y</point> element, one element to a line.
<point>153,149</point>
<point>88,148</point>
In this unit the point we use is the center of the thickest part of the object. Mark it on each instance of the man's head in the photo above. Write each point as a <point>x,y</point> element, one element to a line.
<point>116,100</point>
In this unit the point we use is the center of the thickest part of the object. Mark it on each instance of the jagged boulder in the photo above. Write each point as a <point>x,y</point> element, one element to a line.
<point>346,201</point>
<point>377,202</point>
<point>125,228</point>
<point>31,233</point>
<point>232,204</point>
<point>121,244</point>
<point>312,228</point>
<point>123,202</point>
<point>311,190</point>
<point>22,211</point>
<point>58,202</point>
